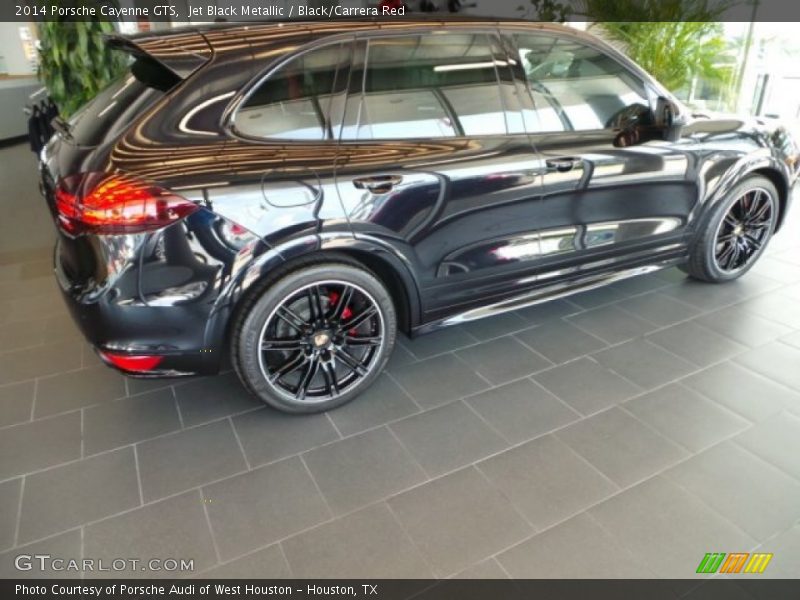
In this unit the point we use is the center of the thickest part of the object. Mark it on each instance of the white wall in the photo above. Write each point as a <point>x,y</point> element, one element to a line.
<point>11,50</point>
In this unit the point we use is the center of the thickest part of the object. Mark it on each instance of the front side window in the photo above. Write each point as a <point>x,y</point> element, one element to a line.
<point>577,87</point>
<point>300,100</point>
<point>426,86</point>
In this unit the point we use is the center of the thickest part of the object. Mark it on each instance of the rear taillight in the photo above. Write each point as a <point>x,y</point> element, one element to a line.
<point>133,363</point>
<point>116,203</point>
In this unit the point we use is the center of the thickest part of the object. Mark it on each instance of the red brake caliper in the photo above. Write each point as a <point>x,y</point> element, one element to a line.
<point>333,298</point>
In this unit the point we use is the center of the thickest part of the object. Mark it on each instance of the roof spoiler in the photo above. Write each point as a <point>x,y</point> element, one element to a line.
<point>182,54</point>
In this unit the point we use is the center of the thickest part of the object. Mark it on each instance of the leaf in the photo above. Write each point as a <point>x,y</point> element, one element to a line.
<point>83,39</point>
<point>75,63</point>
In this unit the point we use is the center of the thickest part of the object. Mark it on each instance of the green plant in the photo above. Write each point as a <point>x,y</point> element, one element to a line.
<point>74,61</point>
<point>673,52</point>
<point>547,10</point>
<point>674,40</point>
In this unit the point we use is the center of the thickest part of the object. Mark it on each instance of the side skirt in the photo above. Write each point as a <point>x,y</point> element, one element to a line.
<point>545,294</point>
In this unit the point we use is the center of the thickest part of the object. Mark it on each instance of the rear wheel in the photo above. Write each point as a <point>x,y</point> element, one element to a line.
<point>736,232</point>
<point>316,338</point>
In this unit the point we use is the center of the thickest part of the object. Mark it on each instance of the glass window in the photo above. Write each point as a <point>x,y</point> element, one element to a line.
<point>299,101</point>
<point>426,86</point>
<point>576,87</point>
<point>123,100</point>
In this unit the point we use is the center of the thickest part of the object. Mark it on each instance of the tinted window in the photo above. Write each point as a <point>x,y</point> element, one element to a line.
<point>576,87</point>
<point>115,107</point>
<point>426,86</point>
<point>298,101</point>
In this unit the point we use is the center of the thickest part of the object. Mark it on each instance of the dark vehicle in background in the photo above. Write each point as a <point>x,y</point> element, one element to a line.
<point>294,194</point>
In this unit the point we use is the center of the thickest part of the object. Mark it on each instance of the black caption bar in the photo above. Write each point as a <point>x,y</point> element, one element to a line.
<point>604,589</point>
<point>189,11</point>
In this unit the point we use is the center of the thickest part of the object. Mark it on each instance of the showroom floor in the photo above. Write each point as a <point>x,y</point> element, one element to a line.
<point>622,433</point>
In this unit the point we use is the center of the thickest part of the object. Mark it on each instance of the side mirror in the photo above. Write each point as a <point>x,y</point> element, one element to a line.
<point>665,113</point>
<point>666,119</point>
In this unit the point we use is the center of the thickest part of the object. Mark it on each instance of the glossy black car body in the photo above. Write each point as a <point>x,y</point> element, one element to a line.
<point>456,227</point>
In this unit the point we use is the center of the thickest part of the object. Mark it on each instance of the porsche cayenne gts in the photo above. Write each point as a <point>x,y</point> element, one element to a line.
<point>291,195</point>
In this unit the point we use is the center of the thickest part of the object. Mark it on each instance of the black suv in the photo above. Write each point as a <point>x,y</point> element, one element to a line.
<point>294,193</point>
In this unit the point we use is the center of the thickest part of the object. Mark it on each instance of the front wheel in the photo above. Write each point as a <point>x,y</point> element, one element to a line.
<point>316,338</point>
<point>735,233</point>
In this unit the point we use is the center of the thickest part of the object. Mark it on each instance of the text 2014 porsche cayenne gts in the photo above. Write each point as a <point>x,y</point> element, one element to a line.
<point>294,194</point>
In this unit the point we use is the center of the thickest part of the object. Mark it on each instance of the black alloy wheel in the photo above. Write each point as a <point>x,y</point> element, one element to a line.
<point>735,233</point>
<point>319,342</point>
<point>744,230</point>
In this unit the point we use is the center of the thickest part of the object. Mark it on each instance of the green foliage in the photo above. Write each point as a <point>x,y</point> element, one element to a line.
<point>549,10</point>
<point>673,52</point>
<point>652,10</point>
<point>74,61</point>
<point>675,40</point>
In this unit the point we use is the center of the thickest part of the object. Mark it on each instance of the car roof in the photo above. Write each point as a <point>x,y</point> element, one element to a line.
<point>431,20</point>
<point>227,36</point>
<point>184,49</point>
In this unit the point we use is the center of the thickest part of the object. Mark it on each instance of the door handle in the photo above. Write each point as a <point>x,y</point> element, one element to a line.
<point>561,164</point>
<point>378,184</point>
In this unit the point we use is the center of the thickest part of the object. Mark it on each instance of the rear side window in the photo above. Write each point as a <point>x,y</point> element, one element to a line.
<point>298,101</point>
<point>114,108</point>
<point>576,87</point>
<point>426,86</point>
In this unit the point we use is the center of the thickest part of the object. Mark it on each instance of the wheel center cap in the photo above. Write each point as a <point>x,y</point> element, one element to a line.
<point>738,230</point>
<point>321,339</point>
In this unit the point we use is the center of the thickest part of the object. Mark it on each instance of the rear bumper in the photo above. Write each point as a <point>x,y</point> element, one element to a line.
<point>136,331</point>
<point>127,302</point>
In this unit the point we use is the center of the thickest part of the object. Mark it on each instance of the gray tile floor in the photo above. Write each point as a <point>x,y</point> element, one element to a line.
<point>623,432</point>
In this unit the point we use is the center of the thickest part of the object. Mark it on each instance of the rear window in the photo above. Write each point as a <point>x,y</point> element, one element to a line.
<point>114,108</point>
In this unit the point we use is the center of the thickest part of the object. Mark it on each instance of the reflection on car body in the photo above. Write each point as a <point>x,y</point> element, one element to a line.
<point>296,193</point>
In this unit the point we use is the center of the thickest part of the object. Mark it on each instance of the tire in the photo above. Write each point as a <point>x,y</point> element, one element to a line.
<point>731,239</point>
<point>299,346</point>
